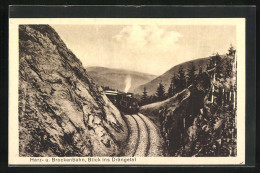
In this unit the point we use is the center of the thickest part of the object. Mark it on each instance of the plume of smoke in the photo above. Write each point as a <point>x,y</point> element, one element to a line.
<point>127,83</point>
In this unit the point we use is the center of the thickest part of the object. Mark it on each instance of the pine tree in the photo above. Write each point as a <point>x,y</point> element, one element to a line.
<point>170,90</point>
<point>228,68</point>
<point>218,66</point>
<point>144,96</point>
<point>191,74</point>
<point>231,50</point>
<point>174,82</point>
<point>160,92</point>
<point>210,63</point>
<point>200,70</point>
<point>216,59</point>
<point>181,80</point>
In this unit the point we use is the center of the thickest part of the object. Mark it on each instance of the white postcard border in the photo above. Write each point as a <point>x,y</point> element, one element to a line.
<point>13,143</point>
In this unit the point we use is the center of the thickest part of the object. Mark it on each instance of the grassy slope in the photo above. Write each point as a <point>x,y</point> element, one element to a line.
<point>151,110</point>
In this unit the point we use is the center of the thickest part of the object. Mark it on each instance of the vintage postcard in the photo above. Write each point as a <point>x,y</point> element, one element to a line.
<point>135,91</point>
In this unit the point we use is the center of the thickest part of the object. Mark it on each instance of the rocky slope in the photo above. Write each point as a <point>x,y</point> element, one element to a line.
<point>61,110</point>
<point>115,78</point>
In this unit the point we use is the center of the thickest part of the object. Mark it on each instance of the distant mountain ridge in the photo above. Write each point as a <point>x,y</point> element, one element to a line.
<point>115,78</point>
<point>165,78</point>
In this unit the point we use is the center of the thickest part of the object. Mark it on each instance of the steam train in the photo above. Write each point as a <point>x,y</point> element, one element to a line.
<point>125,102</point>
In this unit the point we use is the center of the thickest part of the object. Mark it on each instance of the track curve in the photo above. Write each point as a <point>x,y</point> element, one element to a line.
<point>134,137</point>
<point>144,139</point>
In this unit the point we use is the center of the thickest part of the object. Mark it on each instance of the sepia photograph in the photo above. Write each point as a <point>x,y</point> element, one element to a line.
<point>127,91</point>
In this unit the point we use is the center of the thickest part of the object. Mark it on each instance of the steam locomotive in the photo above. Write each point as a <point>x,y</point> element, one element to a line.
<point>125,102</point>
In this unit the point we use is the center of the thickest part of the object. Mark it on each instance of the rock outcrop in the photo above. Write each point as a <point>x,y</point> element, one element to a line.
<point>61,110</point>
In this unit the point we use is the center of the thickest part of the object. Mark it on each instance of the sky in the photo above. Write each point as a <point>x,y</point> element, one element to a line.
<point>152,49</point>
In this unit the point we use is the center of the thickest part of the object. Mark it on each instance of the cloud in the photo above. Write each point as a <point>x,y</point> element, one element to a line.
<point>145,48</point>
<point>147,38</point>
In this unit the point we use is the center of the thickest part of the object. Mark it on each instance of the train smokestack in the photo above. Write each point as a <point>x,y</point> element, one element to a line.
<point>127,83</point>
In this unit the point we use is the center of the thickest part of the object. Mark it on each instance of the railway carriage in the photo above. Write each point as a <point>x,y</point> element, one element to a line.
<point>125,102</point>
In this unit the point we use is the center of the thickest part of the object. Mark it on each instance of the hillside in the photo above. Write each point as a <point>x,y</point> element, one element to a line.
<point>62,112</point>
<point>200,120</point>
<point>165,78</point>
<point>115,78</point>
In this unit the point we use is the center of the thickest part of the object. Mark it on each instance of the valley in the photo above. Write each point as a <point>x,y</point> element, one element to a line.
<point>66,110</point>
<point>115,78</point>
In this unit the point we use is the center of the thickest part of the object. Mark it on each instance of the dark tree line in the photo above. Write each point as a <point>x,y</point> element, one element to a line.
<point>222,75</point>
<point>201,127</point>
<point>183,79</point>
<point>159,96</point>
<point>178,82</point>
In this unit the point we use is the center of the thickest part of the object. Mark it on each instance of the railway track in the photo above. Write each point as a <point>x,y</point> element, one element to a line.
<point>144,138</point>
<point>134,136</point>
